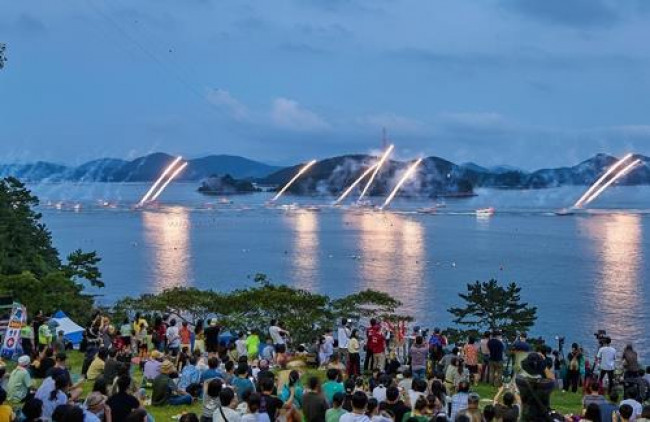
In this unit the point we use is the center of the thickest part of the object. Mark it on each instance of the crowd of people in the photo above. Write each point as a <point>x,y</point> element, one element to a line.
<point>377,373</point>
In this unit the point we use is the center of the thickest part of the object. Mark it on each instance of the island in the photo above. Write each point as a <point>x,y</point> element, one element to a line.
<point>226,185</point>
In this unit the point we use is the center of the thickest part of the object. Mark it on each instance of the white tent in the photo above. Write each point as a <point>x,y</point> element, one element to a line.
<point>72,331</point>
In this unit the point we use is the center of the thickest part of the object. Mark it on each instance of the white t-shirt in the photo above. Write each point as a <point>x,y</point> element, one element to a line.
<point>379,393</point>
<point>255,417</point>
<point>607,356</point>
<point>277,338</point>
<point>173,337</point>
<point>230,414</point>
<point>344,335</point>
<point>353,417</point>
<point>242,350</point>
<point>638,408</point>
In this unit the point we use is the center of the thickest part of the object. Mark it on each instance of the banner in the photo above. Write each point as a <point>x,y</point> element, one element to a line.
<point>11,339</point>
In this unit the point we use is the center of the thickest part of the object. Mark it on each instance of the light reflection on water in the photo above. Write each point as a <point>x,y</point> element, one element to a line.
<point>167,234</point>
<point>618,289</point>
<point>305,255</point>
<point>392,254</point>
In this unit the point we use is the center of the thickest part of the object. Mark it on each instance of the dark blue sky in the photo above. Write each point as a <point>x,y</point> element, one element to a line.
<point>531,83</point>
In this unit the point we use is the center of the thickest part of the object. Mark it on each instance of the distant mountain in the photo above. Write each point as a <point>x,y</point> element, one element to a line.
<point>436,176</point>
<point>142,169</point>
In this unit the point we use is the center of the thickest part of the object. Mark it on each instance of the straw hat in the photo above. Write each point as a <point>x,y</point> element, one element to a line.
<point>167,368</point>
<point>95,400</point>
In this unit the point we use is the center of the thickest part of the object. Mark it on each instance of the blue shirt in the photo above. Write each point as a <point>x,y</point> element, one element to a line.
<point>211,373</point>
<point>242,385</point>
<point>189,375</point>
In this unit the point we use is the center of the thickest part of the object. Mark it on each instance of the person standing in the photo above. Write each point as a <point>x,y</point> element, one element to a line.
<point>418,354</point>
<point>343,335</point>
<point>606,358</point>
<point>253,345</point>
<point>212,337</point>
<point>173,338</point>
<point>278,335</point>
<point>496,348</point>
<point>576,360</point>
<point>470,352</point>
<point>377,345</point>
<point>354,358</point>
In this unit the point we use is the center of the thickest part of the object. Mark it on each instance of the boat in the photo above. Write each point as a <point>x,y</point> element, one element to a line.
<point>427,210</point>
<point>564,212</point>
<point>313,208</point>
<point>485,212</point>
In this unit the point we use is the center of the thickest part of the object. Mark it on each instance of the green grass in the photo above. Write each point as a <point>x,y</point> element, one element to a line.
<point>564,402</point>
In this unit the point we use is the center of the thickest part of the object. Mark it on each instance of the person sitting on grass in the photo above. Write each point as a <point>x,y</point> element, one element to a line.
<point>625,414</point>
<point>56,397</point>
<point>6,412</point>
<point>333,384</point>
<point>242,383</point>
<point>60,368</point>
<point>459,401</point>
<point>189,417</point>
<point>507,403</point>
<point>314,404</point>
<point>472,411</point>
<point>372,411</point>
<point>138,415</point>
<point>19,381</point>
<point>593,396</point>
<point>270,403</point>
<point>190,376</point>
<point>165,391</point>
<point>122,403</point>
<point>211,391</point>
<point>292,390</point>
<point>226,412</point>
<point>393,404</point>
<point>336,411</point>
<point>359,405</point>
<point>213,370</point>
<point>419,411</point>
<point>253,414</point>
<point>96,368</point>
<point>32,411</point>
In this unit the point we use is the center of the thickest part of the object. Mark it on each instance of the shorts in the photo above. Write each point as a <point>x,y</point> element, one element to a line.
<point>473,369</point>
<point>280,348</point>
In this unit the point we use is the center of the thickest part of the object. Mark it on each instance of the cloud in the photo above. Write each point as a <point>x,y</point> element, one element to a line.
<point>392,122</point>
<point>573,13</point>
<point>288,114</point>
<point>226,102</point>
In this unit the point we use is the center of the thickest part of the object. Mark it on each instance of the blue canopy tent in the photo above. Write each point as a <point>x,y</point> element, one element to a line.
<point>71,330</point>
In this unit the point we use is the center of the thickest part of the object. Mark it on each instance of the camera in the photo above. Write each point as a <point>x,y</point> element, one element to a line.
<point>601,335</point>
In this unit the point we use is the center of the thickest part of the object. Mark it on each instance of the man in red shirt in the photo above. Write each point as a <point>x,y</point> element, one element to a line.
<point>377,345</point>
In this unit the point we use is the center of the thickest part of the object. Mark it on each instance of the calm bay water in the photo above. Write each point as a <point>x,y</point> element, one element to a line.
<point>585,272</point>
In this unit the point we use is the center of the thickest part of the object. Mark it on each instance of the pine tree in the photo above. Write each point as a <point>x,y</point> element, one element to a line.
<point>490,306</point>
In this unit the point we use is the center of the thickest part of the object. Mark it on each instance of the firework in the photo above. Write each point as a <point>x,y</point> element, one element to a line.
<point>613,180</point>
<point>153,187</point>
<point>293,179</point>
<point>374,174</point>
<point>600,180</point>
<point>356,182</point>
<point>168,181</point>
<point>403,180</point>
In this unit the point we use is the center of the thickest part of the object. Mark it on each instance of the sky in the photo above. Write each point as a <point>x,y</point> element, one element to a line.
<point>526,83</point>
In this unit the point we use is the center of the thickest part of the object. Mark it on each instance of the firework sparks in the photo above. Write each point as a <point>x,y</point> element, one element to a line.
<point>356,182</point>
<point>153,187</point>
<point>168,181</point>
<point>407,175</point>
<point>623,172</point>
<point>600,180</point>
<point>293,179</point>
<point>374,174</point>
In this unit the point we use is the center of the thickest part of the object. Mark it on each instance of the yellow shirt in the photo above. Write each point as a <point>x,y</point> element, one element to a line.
<point>353,346</point>
<point>6,414</point>
<point>96,369</point>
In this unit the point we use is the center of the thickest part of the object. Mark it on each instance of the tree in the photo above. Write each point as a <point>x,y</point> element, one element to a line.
<point>30,267</point>
<point>492,306</point>
<point>304,314</point>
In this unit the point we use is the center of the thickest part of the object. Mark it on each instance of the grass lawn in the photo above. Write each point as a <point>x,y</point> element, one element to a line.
<point>563,402</point>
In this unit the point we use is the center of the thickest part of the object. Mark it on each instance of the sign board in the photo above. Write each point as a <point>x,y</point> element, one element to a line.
<point>11,339</point>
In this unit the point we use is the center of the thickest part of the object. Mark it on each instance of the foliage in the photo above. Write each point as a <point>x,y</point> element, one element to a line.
<point>492,306</point>
<point>30,267</point>
<point>83,265</point>
<point>304,314</point>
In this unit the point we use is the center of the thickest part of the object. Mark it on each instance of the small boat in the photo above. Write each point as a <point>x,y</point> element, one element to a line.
<point>564,212</point>
<point>485,212</point>
<point>313,208</point>
<point>427,210</point>
<point>364,203</point>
